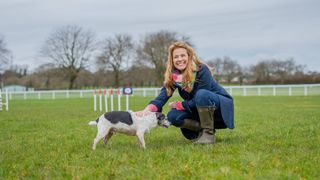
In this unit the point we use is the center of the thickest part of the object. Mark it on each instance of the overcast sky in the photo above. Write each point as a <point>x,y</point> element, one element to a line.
<point>245,30</point>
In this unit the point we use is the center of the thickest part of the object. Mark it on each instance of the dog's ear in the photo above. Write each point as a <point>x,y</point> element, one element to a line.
<point>160,116</point>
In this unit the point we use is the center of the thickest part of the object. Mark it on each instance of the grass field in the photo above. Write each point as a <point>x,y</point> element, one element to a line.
<point>274,138</point>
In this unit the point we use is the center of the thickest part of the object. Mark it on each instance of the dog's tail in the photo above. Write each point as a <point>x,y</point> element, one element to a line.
<point>94,123</point>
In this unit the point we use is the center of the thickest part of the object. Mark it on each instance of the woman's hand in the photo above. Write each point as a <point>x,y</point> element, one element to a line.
<point>147,110</point>
<point>176,105</point>
<point>172,105</point>
<point>142,113</point>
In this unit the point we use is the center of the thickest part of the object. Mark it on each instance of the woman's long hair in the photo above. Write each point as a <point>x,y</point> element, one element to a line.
<point>187,73</point>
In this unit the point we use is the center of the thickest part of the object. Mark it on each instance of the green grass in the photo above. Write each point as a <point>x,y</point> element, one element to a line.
<point>275,137</point>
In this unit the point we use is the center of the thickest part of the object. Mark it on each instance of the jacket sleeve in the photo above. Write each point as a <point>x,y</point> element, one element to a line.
<point>161,99</point>
<point>204,80</point>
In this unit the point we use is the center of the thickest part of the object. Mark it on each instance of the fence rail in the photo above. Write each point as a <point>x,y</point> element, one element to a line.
<point>254,90</point>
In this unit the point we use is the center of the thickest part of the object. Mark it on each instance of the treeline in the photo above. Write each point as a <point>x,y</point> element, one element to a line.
<point>227,71</point>
<point>71,53</point>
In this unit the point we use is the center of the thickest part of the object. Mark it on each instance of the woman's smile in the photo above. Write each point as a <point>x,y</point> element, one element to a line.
<point>180,58</point>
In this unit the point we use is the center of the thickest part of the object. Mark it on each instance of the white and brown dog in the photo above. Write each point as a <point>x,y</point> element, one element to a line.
<point>127,122</point>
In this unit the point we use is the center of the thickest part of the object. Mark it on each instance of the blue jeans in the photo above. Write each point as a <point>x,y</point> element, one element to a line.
<point>202,98</point>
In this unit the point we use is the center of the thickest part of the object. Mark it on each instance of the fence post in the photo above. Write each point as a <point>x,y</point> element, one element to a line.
<point>305,90</point>
<point>244,91</point>
<point>274,90</point>
<point>144,92</point>
<point>7,101</point>
<point>119,99</point>
<point>0,100</point>
<point>259,91</point>
<point>290,90</point>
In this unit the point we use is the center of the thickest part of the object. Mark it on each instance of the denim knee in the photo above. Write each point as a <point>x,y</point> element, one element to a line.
<point>205,97</point>
<point>176,117</point>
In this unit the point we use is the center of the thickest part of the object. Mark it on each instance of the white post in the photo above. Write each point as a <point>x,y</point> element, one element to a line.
<point>81,95</point>
<point>119,100</point>
<point>39,95</point>
<point>100,100</point>
<point>244,91</point>
<point>127,102</point>
<point>274,90</point>
<point>106,100</point>
<point>67,94</point>
<point>94,101</point>
<point>144,92</point>
<point>0,100</point>
<point>305,91</point>
<point>7,101</point>
<point>25,95</point>
<point>53,95</point>
<point>290,90</point>
<point>259,91</point>
<point>111,100</point>
<point>231,91</point>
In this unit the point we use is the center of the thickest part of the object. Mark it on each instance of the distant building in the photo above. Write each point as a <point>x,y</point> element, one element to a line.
<point>15,88</point>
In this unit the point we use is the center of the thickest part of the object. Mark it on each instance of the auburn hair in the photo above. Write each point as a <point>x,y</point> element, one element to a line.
<point>187,73</point>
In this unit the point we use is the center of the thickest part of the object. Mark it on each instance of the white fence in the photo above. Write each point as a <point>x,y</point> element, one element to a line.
<point>256,90</point>
<point>4,102</point>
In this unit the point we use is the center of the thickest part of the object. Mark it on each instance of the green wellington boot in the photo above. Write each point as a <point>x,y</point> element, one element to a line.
<point>206,115</point>
<point>192,125</point>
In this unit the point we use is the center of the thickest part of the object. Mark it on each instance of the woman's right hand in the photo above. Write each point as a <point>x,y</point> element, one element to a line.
<point>142,113</point>
<point>147,110</point>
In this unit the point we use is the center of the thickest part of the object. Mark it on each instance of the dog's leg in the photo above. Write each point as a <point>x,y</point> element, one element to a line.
<point>140,136</point>
<point>107,137</point>
<point>102,132</point>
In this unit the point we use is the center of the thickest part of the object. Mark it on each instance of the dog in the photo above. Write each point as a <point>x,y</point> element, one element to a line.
<point>127,122</point>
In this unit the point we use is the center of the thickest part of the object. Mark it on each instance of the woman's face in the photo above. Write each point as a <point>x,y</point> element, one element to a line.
<point>180,58</point>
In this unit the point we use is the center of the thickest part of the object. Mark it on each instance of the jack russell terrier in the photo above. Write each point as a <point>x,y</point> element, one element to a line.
<point>127,122</point>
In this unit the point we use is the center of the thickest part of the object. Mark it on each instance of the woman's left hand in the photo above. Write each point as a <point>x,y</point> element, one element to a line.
<point>176,105</point>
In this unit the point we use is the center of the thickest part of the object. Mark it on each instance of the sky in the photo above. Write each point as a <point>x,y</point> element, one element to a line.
<point>247,31</point>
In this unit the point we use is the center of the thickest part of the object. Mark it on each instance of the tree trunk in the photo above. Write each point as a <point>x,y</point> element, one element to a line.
<point>71,81</point>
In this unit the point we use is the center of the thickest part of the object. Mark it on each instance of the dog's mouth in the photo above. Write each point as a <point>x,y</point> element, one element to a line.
<point>164,123</point>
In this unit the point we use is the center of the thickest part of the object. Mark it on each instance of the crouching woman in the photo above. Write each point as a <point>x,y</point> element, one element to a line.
<point>206,105</point>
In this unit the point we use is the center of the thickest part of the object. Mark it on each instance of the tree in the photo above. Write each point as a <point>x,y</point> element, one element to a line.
<point>231,68</point>
<point>70,48</point>
<point>5,58</point>
<point>153,50</point>
<point>225,68</point>
<point>217,64</point>
<point>116,50</point>
<point>261,72</point>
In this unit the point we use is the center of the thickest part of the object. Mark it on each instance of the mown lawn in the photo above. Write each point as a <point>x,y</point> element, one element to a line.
<point>274,138</point>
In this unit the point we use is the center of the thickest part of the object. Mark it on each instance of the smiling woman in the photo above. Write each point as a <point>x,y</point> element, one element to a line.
<point>206,106</point>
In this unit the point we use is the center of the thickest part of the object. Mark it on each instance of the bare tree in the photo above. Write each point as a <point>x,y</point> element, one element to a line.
<point>225,68</point>
<point>70,48</point>
<point>230,68</point>
<point>261,72</point>
<point>283,69</point>
<point>217,64</point>
<point>5,58</point>
<point>116,51</point>
<point>153,50</point>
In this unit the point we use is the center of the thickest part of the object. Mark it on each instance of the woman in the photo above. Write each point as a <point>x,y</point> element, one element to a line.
<point>206,106</point>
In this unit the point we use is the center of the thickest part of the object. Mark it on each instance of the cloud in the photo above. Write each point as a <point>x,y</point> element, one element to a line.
<point>244,30</point>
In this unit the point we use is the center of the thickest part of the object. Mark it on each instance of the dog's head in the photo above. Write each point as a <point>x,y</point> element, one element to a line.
<point>162,120</point>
